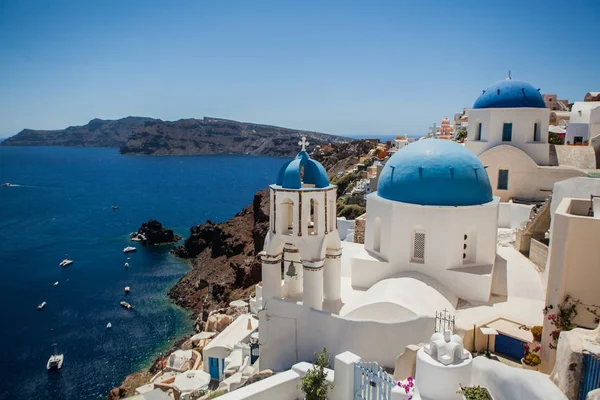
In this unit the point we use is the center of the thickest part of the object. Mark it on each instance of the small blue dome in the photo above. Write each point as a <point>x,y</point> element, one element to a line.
<point>510,94</point>
<point>435,172</point>
<point>314,173</point>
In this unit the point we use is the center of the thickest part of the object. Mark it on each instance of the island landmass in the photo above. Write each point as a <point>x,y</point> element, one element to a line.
<point>148,136</point>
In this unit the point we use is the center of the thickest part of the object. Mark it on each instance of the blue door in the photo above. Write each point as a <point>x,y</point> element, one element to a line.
<point>509,346</point>
<point>213,368</point>
<point>591,375</point>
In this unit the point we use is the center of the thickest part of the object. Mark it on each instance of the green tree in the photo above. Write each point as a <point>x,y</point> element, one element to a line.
<point>350,211</point>
<point>314,384</point>
<point>461,135</point>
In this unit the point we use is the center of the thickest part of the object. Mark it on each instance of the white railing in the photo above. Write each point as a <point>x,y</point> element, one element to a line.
<point>371,382</point>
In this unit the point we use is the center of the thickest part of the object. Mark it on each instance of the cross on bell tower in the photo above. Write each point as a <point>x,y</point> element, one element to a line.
<point>303,143</point>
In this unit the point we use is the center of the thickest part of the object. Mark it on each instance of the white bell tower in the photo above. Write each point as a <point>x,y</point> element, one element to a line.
<point>301,259</point>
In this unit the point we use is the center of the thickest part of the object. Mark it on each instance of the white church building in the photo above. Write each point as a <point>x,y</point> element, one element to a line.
<point>508,131</point>
<point>430,243</point>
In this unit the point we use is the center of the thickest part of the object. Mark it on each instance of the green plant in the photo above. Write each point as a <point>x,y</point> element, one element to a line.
<point>216,394</point>
<point>531,356</point>
<point>474,393</point>
<point>553,138</point>
<point>536,331</point>
<point>351,211</point>
<point>532,359</point>
<point>461,135</point>
<point>563,318</point>
<point>314,383</point>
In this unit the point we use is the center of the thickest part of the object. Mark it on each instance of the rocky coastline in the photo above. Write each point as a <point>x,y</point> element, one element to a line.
<point>223,257</point>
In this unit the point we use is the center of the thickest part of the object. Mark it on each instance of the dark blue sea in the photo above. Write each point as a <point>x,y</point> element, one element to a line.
<point>62,205</point>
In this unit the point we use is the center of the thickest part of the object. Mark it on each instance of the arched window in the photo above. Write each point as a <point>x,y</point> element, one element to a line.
<point>313,222</point>
<point>469,250</point>
<point>287,217</point>
<point>418,246</point>
<point>332,216</point>
<point>507,132</point>
<point>377,235</point>
<point>537,127</point>
<point>478,132</point>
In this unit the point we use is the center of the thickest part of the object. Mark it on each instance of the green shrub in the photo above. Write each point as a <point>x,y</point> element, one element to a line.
<point>474,393</point>
<point>351,211</point>
<point>314,383</point>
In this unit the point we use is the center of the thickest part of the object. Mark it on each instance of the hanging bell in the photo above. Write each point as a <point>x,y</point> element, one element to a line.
<point>291,272</point>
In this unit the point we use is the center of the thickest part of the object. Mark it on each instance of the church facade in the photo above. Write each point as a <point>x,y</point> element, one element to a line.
<point>430,240</point>
<point>508,131</point>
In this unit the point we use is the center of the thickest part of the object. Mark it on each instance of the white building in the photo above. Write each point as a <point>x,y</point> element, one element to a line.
<point>572,267</point>
<point>422,254</point>
<point>508,131</point>
<point>399,143</point>
<point>226,343</point>
<point>584,122</point>
<point>433,214</point>
<point>302,235</point>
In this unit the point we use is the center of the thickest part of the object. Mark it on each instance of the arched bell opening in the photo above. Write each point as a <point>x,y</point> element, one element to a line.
<point>313,222</point>
<point>287,217</point>
<point>291,270</point>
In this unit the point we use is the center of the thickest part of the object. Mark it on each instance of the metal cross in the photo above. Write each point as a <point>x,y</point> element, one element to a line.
<point>303,143</point>
<point>433,130</point>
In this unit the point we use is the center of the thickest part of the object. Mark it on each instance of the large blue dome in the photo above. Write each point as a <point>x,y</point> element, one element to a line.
<point>314,173</point>
<point>510,94</point>
<point>435,172</point>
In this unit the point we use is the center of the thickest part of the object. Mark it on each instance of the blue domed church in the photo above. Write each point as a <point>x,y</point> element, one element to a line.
<point>433,214</point>
<point>508,131</point>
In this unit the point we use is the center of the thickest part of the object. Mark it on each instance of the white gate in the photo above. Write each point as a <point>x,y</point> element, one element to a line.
<point>371,382</point>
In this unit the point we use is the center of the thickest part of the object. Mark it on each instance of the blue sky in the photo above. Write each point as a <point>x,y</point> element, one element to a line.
<point>332,66</point>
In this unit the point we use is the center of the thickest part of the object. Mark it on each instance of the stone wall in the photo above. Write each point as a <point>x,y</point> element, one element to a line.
<point>359,229</point>
<point>582,157</point>
<point>538,254</point>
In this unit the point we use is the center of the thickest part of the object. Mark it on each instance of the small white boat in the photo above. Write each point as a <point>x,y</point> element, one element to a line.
<point>55,361</point>
<point>127,289</point>
<point>65,262</point>
<point>129,249</point>
<point>125,304</point>
<point>56,283</point>
<point>6,184</point>
<point>126,265</point>
<point>114,207</point>
<point>42,305</point>
<point>108,326</point>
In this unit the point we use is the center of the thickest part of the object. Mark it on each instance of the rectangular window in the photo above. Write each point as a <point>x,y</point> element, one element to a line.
<point>478,134</point>
<point>536,136</point>
<point>419,247</point>
<point>507,132</point>
<point>503,179</point>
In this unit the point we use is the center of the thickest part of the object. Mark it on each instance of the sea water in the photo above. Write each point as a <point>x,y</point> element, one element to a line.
<point>61,204</point>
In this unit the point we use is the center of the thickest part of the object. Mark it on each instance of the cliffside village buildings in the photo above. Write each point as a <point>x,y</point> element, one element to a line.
<point>465,249</point>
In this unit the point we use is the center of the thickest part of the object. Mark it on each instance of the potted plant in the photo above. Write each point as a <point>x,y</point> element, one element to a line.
<point>531,359</point>
<point>536,331</point>
<point>314,383</point>
<point>475,393</point>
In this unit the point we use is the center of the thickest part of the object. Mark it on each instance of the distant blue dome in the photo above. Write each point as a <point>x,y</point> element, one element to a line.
<point>435,172</point>
<point>510,94</point>
<point>314,173</point>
